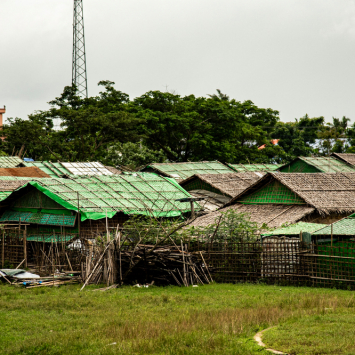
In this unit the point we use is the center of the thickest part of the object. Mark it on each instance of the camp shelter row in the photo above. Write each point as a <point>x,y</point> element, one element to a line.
<point>58,169</point>
<point>337,162</point>
<point>286,198</point>
<point>87,207</point>
<point>181,171</point>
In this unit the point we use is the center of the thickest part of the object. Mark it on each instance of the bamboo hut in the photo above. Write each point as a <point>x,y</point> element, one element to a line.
<point>218,189</point>
<point>317,165</point>
<point>279,198</point>
<point>54,214</point>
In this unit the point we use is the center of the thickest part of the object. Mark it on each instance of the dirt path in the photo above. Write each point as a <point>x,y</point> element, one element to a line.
<point>258,339</point>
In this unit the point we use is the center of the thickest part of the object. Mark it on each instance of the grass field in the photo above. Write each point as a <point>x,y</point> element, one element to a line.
<point>214,319</point>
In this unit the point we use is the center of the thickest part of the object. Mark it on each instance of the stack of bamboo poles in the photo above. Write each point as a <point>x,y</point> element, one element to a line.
<point>55,280</point>
<point>165,265</point>
<point>147,264</point>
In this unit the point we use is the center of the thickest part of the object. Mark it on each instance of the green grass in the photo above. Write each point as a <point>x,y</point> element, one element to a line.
<point>214,319</point>
<point>330,332</point>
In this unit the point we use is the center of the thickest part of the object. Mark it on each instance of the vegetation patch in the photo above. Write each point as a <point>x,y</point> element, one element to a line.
<point>213,319</point>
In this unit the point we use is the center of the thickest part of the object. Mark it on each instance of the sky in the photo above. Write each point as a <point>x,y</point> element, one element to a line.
<point>294,56</point>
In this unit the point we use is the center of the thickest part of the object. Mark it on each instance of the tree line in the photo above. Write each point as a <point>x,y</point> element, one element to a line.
<point>162,126</point>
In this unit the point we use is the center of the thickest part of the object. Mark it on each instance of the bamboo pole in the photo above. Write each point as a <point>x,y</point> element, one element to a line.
<point>78,215</point>
<point>183,259</point>
<point>3,249</point>
<point>119,255</point>
<point>331,235</point>
<point>69,262</point>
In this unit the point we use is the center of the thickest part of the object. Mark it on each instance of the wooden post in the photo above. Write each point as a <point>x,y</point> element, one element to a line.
<point>192,209</point>
<point>119,246</point>
<point>301,237</point>
<point>3,249</point>
<point>331,235</point>
<point>25,247</point>
<point>183,259</point>
<point>107,232</point>
<point>78,216</point>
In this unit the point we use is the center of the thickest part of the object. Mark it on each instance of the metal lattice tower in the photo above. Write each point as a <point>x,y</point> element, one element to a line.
<point>79,56</point>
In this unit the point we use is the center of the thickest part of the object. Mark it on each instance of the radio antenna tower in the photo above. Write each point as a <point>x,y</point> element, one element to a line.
<point>79,56</point>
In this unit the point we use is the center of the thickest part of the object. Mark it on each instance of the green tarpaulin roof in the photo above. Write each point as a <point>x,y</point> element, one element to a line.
<point>321,164</point>
<point>60,169</point>
<point>345,226</point>
<point>10,162</point>
<point>241,168</point>
<point>294,229</point>
<point>182,171</point>
<point>142,194</point>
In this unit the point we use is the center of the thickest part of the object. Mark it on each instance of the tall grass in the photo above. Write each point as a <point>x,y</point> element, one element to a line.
<point>212,319</point>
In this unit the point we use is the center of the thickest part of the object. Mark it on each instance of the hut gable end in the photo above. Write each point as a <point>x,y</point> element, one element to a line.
<point>36,199</point>
<point>274,192</point>
<point>316,165</point>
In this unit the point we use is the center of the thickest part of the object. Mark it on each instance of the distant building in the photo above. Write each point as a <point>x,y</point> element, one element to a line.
<point>2,111</point>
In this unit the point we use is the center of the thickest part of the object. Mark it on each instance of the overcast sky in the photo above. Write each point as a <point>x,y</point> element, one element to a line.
<point>295,56</point>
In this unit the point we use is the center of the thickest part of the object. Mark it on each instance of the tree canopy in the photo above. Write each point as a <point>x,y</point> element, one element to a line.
<point>162,126</point>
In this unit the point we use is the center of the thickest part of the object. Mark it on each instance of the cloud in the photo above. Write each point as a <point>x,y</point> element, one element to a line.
<point>291,55</point>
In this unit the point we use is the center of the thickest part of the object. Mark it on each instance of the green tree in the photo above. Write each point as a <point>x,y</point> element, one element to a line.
<point>333,137</point>
<point>133,155</point>
<point>89,127</point>
<point>298,138</point>
<point>197,128</point>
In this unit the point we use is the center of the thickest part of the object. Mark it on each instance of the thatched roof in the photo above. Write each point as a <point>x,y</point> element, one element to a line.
<point>23,172</point>
<point>230,185</point>
<point>113,170</point>
<point>327,193</point>
<point>346,157</point>
<point>272,215</point>
<point>11,183</point>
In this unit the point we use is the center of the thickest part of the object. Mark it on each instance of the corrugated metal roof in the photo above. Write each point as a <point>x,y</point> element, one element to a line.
<point>295,229</point>
<point>61,169</point>
<point>241,168</point>
<point>345,226</point>
<point>132,194</point>
<point>10,162</point>
<point>182,171</point>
